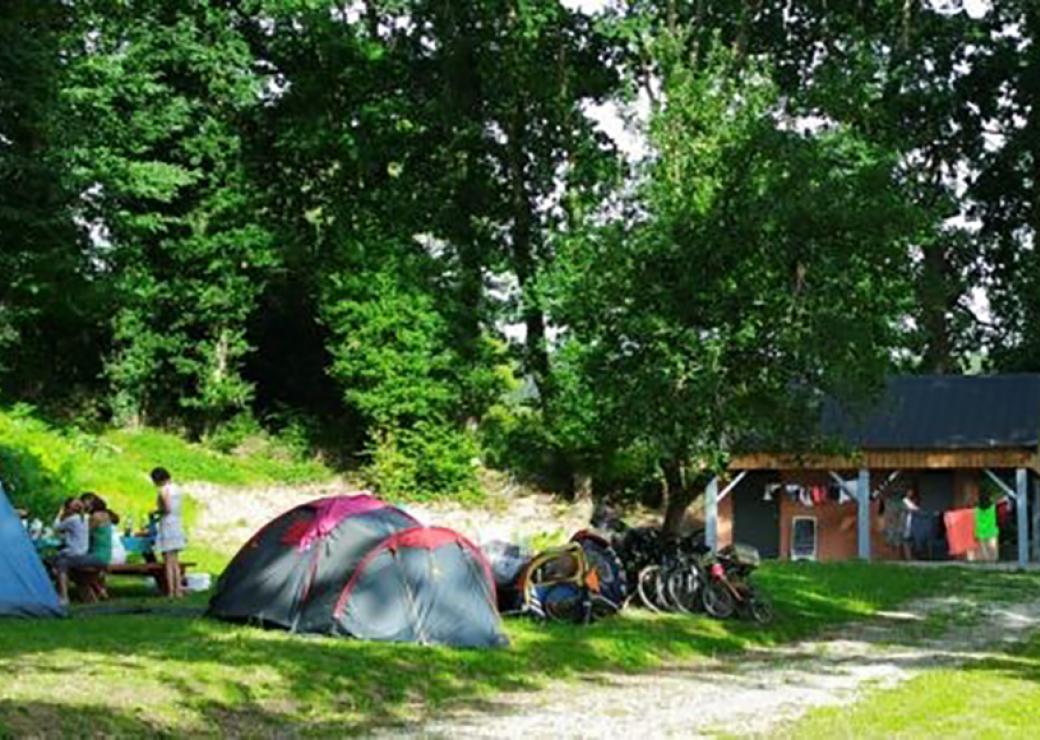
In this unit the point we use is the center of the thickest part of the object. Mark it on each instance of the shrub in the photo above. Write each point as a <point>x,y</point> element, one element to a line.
<point>516,439</point>
<point>232,434</point>
<point>428,461</point>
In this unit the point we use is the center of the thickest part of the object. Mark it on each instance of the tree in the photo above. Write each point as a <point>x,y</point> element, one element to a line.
<point>156,92</point>
<point>48,316</point>
<point>1004,194</point>
<point>757,269</point>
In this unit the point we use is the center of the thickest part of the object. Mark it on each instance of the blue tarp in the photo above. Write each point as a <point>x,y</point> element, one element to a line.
<point>25,589</point>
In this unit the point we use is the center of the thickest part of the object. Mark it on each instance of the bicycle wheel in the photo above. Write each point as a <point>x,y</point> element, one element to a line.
<point>759,608</point>
<point>718,601</point>
<point>664,598</point>
<point>684,589</point>
<point>647,587</point>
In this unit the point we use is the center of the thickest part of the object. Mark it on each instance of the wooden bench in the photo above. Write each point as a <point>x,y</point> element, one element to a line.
<point>90,582</point>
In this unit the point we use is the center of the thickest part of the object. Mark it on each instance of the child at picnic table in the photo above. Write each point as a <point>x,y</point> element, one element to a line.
<point>72,527</point>
<point>105,545</point>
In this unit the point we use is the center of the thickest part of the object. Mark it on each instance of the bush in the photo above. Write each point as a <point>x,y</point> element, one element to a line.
<point>230,435</point>
<point>516,439</point>
<point>429,461</point>
<point>36,469</point>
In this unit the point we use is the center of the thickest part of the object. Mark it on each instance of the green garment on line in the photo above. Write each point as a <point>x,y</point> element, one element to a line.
<point>986,523</point>
<point>101,543</point>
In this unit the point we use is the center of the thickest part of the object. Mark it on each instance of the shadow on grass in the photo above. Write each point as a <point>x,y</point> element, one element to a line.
<point>249,681</point>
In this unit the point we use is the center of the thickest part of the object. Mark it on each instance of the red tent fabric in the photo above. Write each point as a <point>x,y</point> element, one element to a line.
<point>329,512</point>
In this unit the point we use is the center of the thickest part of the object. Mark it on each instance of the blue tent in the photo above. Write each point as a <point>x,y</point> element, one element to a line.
<point>25,589</point>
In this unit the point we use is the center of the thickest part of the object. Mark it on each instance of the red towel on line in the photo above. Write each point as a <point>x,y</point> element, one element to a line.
<point>960,531</point>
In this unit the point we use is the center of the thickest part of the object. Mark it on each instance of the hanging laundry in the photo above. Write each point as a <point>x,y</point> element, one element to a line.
<point>894,528</point>
<point>1003,513</point>
<point>818,494</point>
<point>926,535</point>
<point>960,531</point>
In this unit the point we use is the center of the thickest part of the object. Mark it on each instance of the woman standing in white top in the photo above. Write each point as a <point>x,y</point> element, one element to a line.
<point>170,539</point>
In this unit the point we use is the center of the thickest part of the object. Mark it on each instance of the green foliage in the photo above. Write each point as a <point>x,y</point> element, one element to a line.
<point>41,464</point>
<point>391,351</point>
<point>235,432</point>
<point>215,210</point>
<point>760,268</point>
<point>50,316</point>
<point>427,461</point>
<point>516,439</point>
<point>157,101</point>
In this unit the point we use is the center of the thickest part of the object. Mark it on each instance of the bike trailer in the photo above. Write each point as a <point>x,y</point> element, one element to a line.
<point>613,586</point>
<point>562,584</point>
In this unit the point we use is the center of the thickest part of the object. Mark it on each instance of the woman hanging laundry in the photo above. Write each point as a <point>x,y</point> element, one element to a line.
<point>911,505</point>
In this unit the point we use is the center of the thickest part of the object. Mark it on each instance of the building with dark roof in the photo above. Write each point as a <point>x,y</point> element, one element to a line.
<point>948,439</point>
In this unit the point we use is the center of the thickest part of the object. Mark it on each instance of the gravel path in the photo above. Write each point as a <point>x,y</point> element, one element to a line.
<point>753,694</point>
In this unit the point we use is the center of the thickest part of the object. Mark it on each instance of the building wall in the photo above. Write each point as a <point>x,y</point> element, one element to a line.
<point>836,531</point>
<point>726,521</point>
<point>836,523</point>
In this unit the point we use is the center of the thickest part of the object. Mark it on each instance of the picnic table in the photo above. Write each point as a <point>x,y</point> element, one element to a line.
<point>90,581</point>
<point>141,544</point>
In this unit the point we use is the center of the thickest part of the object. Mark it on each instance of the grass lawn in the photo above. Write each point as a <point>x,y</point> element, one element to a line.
<point>994,698</point>
<point>175,672</point>
<point>40,464</point>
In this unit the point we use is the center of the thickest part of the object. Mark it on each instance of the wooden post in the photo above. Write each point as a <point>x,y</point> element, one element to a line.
<point>1022,515</point>
<point>711,514</point>
<point>863,513</point>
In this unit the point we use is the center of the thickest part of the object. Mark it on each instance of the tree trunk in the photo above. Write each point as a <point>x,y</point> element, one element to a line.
<point>461,117</point>
<point>677,499</point>
<point>524,258</point>
<point>934,295</point>
<point>582,483</point>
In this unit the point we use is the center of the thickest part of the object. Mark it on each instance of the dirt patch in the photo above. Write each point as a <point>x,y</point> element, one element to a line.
<point>228,517</point>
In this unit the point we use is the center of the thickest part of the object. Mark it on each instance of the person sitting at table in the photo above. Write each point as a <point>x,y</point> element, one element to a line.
<point>74,553</point>
<point>102,523</point>
<point>101,515</point>
<point>169,537</point>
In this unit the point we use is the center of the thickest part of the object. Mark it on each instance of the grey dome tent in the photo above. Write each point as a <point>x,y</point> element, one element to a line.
<point>353,566</point>
<point>25,589</point>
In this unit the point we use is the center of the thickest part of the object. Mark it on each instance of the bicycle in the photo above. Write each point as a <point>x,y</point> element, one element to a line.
<point>729,588</point>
